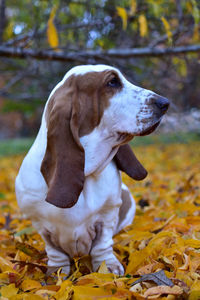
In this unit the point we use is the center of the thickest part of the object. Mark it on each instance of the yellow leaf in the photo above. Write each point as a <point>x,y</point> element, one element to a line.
<point>143,25</point>
<point>133,7</point>
<point>194,295</point>
<point>136,260</point>
<point>59,281</point>
<point>95,279</point>
<point>192,243</point>
<point>29,284</point>
<point>86,293</point>
<point>123,15</point>
<point>167,28</point>
<point>44,293</point>
<point>4,277</point>
<point>6,265</point>
<point>195,291</point>
<point>186,264</point>
<point>52,34</point>
<point>103,268</point>
<point>30,297</point>
<point>64,291</point>
<point>189,6</point>
<point>9,290</point>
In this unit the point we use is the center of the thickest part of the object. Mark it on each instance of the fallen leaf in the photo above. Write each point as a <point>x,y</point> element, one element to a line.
<point>136,288</point>
<point>158,277</point>
<point>30,250</point>
<point>160,290</point>
<point>147,269</point>
<point>165,235</point>
<point>31,266</point>
<point>103,268</point>
<point>9,290</point>
<point>29,284</point>
<point>27,230</point>
<point>186,264</point>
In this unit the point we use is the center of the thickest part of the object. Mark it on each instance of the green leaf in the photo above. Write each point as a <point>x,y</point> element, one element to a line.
<point>27,230</point>
<point>2,195</point>
<point>76,9</point>
<point>195,12</point>
<point>180,65</point>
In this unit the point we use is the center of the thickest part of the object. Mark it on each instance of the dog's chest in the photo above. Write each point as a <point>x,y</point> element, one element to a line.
<point>74,229</point>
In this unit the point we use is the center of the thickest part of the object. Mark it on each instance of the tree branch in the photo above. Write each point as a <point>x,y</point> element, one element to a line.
<point>2,18</point>
<point>93,56</point>
<point>12,82</point>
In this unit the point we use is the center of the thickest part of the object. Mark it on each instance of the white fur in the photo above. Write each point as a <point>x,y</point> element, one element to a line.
<point>71,230</point>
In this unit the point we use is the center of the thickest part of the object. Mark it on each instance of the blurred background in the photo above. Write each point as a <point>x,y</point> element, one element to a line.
<point>155,43</point>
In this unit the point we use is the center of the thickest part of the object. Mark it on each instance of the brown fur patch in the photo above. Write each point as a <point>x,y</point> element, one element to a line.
<point>91,100</point>
<point>74,110</point>
<point>127,162</point>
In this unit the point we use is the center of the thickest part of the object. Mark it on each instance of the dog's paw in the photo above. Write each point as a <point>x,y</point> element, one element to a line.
<point>116,268</point>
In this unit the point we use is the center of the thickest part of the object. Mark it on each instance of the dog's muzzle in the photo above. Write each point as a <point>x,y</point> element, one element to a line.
<point>162,103</point>
<point>160,107</point>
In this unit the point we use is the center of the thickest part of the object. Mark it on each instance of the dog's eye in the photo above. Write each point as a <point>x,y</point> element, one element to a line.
<point>114,83</point>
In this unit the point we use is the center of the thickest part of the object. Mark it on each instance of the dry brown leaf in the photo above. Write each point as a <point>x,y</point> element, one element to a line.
<point>158,277</point>
<point>160,290</point>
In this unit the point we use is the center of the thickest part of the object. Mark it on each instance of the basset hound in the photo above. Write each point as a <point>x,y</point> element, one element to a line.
<point>69,183</point>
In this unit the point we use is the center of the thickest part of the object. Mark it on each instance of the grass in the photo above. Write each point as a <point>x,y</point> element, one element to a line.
<point>166,138</point>
<point>22,145</point>
<point>15,146</point>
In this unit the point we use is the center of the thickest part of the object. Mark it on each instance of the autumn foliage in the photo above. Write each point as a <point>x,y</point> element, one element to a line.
<point>165,235</point>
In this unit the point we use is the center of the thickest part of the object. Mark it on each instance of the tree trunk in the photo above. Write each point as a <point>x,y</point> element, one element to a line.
<point>2,18</point>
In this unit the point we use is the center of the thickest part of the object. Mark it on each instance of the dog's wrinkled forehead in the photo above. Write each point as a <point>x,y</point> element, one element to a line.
<point>83,73</point>
<point>86,90</point>
<point>84,69</point>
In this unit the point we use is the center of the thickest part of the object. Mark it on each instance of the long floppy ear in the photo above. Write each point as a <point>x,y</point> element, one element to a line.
<point>63,163</point>
<point>127,162</point>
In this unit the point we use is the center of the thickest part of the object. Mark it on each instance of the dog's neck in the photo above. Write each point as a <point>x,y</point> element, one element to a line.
<point>100,148</point>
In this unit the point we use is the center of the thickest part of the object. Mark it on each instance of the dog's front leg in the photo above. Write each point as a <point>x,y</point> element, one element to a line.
<point>102,246</point>
<point>57,258</point>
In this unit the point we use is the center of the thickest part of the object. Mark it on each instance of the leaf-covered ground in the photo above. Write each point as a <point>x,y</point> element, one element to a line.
<point>165,235</point>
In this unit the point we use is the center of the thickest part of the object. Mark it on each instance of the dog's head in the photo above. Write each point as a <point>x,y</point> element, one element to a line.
<point>94,107</point>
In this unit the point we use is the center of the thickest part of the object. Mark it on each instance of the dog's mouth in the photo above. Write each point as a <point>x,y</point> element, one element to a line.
<point>125,137</point>
<point>149,130</point>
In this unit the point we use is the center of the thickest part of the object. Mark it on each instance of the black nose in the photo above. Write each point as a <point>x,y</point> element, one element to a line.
<point>162,103</point>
